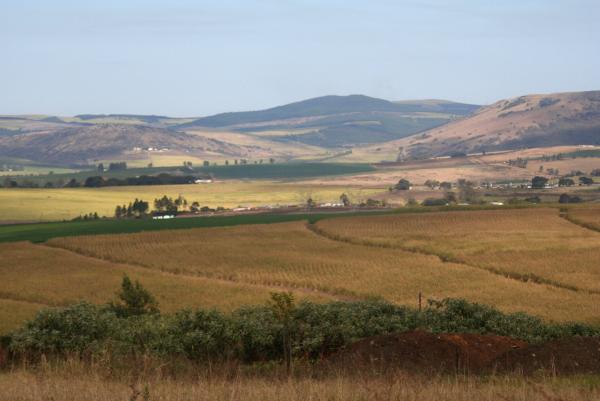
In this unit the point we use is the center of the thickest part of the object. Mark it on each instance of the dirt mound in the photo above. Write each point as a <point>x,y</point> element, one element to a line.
<point>3,356</point>
<point>425,352</point>
<point>573,355</point>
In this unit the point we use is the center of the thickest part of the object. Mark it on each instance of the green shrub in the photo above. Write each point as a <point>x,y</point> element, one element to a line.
<point>257,334</point>
<point>76,329</point>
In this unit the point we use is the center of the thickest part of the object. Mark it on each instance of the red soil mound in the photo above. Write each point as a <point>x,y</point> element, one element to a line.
<point>425,352</point>
<point>568,356</point>
<point>3,356</point>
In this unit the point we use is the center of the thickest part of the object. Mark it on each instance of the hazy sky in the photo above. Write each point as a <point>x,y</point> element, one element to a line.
<point>193,58</point>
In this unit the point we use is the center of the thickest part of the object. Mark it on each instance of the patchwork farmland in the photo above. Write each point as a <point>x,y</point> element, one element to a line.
<point>515,260</point>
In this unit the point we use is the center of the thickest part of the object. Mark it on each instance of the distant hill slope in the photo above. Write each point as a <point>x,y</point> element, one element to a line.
<point>337,121</point>
<point>310,129</point>
<point>523,122</point>
<point>81,144</point>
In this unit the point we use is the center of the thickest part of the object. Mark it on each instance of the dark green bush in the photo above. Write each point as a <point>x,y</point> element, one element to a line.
<point>255,334</point>
<point>78,328</point>
<point>201,335</point>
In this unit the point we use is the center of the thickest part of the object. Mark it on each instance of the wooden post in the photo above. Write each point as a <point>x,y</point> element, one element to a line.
<point>420,299</point>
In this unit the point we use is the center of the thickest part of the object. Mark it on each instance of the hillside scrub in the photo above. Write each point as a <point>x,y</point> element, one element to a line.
<point>256,333</point>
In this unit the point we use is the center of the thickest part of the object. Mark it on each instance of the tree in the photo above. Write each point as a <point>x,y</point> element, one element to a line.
<point>538,182</point>
<point>10,183</point>
<point>101,167</point>
<point>566,198</point>
<point>118,166</point>
<point>133,300</point>
<point>195,207</point>
<point>565,182</point>
<point>72,183</point>
<point>345,200</point>
<point>402,185</point>
<point>271,160</point>
<point>432,184</point>
<point>445,185</point>
<point>450,197</point>
<point>180,202</point>
<point>283,307</point>
<point>165,204</point>
<point>206,163</point>
<point>310,203</point>
<point>466,190</point>
<point>140,207</point>
<point>94,182</point>
<point>585,181</point>
<point>118,212</point>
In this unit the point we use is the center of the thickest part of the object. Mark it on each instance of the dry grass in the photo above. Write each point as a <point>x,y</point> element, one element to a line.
<point>14,313</point>
<point>76,383</point>
<point>290,255</point>
<point>532,242</point>
<point>588,216</point>
<point>37,276</point>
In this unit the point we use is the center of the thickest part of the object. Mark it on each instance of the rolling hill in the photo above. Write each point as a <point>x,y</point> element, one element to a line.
<point>523,122</point>
<point>82,144</point>
<point>339,121</point>
<point>313,129</point>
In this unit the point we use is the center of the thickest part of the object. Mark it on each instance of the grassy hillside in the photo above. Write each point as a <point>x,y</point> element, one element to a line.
<point>325,106</point>
<point>337,121</point>
<point>330,122</point>
<point>524,122</point>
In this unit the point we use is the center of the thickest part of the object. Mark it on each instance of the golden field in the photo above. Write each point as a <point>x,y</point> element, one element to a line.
<point>292,256</point>
<point>67,203</point>
<point>586,215</point>
<point>529,242</point>
<point>482,256</point>
<point>38,276</point>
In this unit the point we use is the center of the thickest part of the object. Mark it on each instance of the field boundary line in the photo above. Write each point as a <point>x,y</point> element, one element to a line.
<point>564,213</point>
<point>342,296</point>
<point>445,258</point>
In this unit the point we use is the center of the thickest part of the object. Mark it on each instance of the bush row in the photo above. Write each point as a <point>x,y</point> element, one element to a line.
<point>255,333</point>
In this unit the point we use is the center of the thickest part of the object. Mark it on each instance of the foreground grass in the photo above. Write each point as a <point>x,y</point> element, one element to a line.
<point>76,383</point>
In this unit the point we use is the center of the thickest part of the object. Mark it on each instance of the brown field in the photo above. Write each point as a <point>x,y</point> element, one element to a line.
<point>565,166</point>
<point>588,216</point>
<point>290,255</point>
<point>417,172</point>
<point>482,256</point>
<point>79,383</point>
<point>38,276</point>
<point>531,242</point>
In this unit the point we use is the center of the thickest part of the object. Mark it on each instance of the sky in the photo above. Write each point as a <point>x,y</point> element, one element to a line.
<point>196,58</point>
